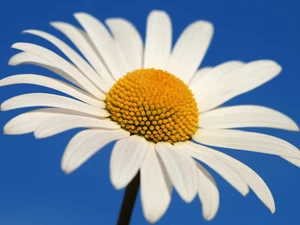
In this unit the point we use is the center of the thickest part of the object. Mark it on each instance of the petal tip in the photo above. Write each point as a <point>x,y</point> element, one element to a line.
<point>158,11</point>
<point>112,20</point>
<point>17,45</point>
<point>65,167</point>
<point>7,129</point>
<point>188,197</point>
<point>272,211</point>
<point>272,208</point>
<point>294,128</point>
<point>56,24</point>
<point>67,171</point>
<point>245,192</point>
<point>152,218</point>
<point>2,107</point>
<point>204,23</point>
<point>208,216</point>
<point>28,31</point>
<point>79,15</point>
<point>117,186</point>
<point>53,23</point>
<point>272,64</point>
<point>14,45</point>
<point>12,60</point>
<point>38,135</point>
<point>278,68</point>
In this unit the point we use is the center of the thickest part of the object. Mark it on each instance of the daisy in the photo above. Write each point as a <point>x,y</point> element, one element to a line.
<point>154,102</point>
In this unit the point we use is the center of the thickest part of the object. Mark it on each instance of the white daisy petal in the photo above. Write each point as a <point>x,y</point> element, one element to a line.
<point>245,173</point>
<point>230,175</point>
<point>249,141</point>
<point>246,116</point>
<point>156,188</point>
<point>29,121</point>
<point>213,91</point>
<point>82,65</point>
<point>27,58</point>
<point>158,40</point>
<point>104,44</point>
<point>208,193</point>
<point>129,40</point>
<point>294,161</point>
<point>204,83</point>
<point>60,123</point>
<point>199,74</point>
<point>85,144</point>
<point>25,123</point>
<point>81,41</point>
<point>190,49</point>
<point>50,100</point>
<point>53,84</point>
<point>126,159</point>
<point>254,181</point>
<point>60,63</point>
<point>181,169</point>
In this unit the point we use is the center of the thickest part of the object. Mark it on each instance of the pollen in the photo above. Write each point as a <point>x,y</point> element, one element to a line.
<point>154,104</point>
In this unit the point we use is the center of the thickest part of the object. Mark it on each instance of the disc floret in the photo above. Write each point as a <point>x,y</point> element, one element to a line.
<point>155,104</point>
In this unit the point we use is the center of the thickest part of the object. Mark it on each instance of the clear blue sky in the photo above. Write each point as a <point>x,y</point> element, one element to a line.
<point>34,190</point>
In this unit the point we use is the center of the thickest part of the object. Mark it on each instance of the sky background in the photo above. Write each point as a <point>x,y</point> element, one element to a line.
<point>34,190</point>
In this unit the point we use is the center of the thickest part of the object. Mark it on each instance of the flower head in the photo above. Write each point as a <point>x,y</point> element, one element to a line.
<point>155,103</point>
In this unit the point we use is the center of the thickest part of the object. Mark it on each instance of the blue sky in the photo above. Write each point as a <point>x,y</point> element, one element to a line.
<point>34,190</point>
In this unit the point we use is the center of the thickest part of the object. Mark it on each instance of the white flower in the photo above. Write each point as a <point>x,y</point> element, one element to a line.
<point>160,117</point>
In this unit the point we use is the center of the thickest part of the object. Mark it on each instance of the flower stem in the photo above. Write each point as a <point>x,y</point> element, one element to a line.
<point>129,200</point>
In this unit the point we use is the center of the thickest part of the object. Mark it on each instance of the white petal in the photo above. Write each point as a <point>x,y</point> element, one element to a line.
<point>50,100</point>
<point>156,188</point>
<point>208,193</point>
<point>129,40</point>
<point>246,116</point>
<point>60,123</point>
<point>61,64</point>
<point>190,49</point>
<point>29,121</point>
<point>104,43</point>
<point>294,161</point>
<point>254,181</point>
<point>26,122</point>
<point>84,67</point>
<point>27,58</point>
<point>215,75</point>
<point>53,84</point>
<point>199,74</point>
<point>81,41</point>
<point>126,159</point>
<point>181,169</point>
<point>231,176</point>
<point>213,91</point>
<point>249,141</point>
<point>158,40</point>
<point>85,144</point>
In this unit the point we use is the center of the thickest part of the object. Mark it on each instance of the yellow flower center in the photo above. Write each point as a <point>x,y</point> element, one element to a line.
<point>155,104</point>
